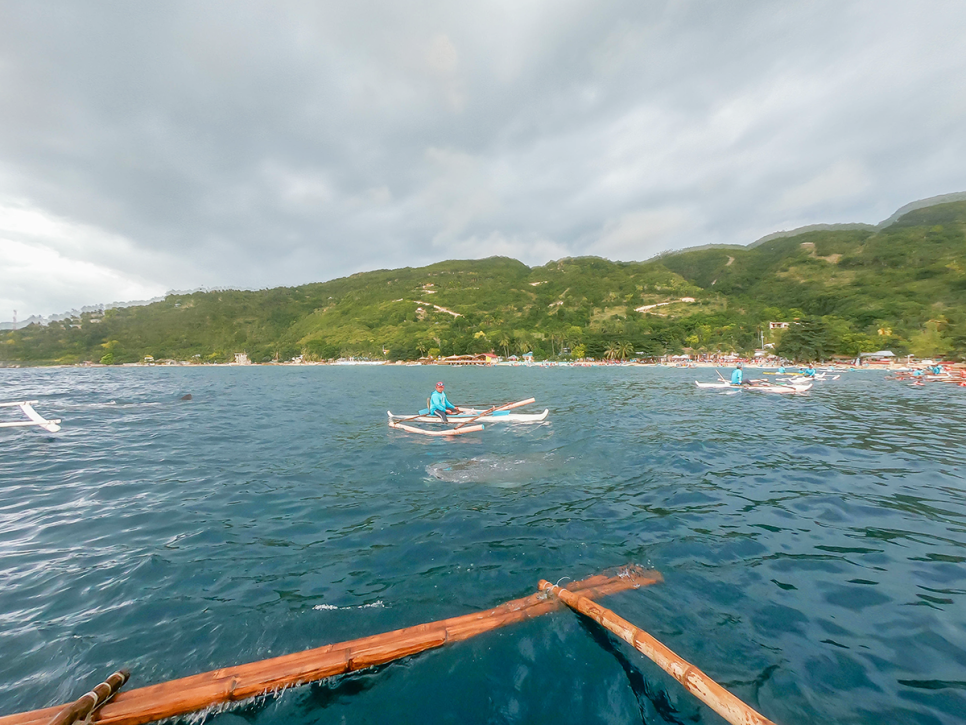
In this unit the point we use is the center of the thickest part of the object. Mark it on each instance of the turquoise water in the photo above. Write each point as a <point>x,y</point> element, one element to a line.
<point>813,547</point>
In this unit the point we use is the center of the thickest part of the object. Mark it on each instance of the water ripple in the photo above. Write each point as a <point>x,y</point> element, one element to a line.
<point>814,547</point>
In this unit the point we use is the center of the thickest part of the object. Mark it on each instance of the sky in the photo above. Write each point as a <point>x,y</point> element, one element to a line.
<point>156,146</point>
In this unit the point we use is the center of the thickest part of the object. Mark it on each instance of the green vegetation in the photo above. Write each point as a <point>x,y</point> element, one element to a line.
<point>902,287</point>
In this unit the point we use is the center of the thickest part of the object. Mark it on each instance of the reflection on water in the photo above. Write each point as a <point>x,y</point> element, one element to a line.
<point>813,547</point>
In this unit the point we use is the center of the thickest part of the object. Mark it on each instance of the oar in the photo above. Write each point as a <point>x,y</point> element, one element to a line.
<point>495,408</point>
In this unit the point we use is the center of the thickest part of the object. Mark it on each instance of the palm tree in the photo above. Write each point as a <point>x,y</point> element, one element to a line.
<point>625,350</point>
<point>613,351</point>
<point>504,341</point>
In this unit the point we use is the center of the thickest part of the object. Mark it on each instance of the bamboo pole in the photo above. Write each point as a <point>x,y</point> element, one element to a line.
<point>90,701</point>
<point>694,680</point>
<point>241,682</point>
<point>508,406</point>
<point>450,432</point>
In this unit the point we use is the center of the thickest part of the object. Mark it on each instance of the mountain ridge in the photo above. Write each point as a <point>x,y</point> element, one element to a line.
<point>900,286</point>
<point>912,206</point>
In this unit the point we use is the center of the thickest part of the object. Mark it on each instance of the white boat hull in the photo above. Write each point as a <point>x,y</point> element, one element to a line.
<point>786,389</point>
<point>496,417</point>
<point>765,388</point>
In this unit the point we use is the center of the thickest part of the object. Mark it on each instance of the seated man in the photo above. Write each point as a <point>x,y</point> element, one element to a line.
<point>439,404</point>
<point>736,376</point>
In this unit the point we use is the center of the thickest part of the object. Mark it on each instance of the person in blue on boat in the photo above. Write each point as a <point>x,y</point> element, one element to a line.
<point>809,371</point>
<point>781,369</point>
<point>439,404</point>
<point>736,376</point>
<point>937,370</point>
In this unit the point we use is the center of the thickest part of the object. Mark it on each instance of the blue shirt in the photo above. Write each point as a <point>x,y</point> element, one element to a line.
<point>937,370</point>
<point>781,370</point>
<point>439,401</point>
<point>736,377</point>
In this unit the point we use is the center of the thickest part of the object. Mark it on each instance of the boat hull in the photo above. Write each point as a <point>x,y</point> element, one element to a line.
<point>467,414</point>
<point>768,388</point>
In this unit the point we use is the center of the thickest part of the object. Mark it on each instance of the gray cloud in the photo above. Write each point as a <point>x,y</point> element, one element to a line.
<point>148,146</point>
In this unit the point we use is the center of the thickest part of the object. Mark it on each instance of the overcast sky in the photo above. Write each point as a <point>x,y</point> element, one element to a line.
<point>150,146</point>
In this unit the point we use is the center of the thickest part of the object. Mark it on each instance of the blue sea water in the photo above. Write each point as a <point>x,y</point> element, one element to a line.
<point>812,546</point>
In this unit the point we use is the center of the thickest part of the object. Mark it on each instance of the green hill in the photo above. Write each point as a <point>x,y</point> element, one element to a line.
<point>901,287</point>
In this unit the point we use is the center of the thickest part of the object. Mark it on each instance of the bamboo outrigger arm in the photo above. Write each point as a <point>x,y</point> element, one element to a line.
<point>242,682</point>
<point>694,680</point>
<point>86,704</point>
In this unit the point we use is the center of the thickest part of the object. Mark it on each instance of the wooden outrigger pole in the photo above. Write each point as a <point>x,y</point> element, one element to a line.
<point>694,680</point>
<point>92,700</point>
<point>450,432</point>
<point>232,684</point>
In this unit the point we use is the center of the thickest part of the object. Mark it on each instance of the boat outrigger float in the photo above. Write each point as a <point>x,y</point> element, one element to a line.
<point>35,418</point>
<point>243,682</point>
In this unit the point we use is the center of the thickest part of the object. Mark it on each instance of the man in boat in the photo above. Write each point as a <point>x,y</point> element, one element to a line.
<point>736,376</point>
<point>439,404</point>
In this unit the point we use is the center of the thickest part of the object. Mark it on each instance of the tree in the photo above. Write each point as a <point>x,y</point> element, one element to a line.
<point>855,343</point>
<point>503,340</point>
<point>930,342</point>
<point>808,340</point>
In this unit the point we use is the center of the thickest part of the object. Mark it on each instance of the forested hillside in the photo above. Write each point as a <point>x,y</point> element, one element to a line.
<point>901,287</point>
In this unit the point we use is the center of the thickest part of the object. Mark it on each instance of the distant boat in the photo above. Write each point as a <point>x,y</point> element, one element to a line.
<point>35,418</point>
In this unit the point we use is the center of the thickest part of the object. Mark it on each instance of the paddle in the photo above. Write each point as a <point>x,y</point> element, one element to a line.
<point>495,408</point>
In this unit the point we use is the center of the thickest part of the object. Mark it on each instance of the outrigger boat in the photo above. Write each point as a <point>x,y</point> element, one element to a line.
<point>462,420</point>
<point>497,416</point>
<point>796,379</point>
<point>35,418</point>
<point>763,388</point>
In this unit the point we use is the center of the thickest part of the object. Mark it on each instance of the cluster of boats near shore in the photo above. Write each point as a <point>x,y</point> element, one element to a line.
<point>937,374</point>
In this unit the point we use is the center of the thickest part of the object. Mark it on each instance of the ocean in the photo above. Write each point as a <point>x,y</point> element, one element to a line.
<point>812,547</point>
